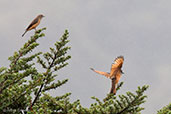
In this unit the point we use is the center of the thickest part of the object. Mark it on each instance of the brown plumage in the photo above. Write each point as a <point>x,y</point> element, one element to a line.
<point>34,23</point>
<point>115,72</point>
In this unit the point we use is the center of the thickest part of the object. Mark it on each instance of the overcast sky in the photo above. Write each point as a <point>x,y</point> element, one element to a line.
<point>100,30</point>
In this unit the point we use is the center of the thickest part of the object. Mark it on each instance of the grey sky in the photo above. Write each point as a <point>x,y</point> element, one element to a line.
<point>100,31</point>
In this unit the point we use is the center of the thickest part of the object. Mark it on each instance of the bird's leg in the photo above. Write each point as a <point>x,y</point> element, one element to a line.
<point>35,30</point>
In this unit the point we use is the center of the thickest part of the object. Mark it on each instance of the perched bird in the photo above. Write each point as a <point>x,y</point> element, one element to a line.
<point>115,72</point>
<point>34,23</point>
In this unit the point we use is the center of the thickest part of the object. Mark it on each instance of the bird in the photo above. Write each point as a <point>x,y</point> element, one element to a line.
<point>34,23</point>
<point>115,72</point>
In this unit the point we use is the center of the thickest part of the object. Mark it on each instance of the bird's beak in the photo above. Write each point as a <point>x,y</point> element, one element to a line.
<point>122,72</point>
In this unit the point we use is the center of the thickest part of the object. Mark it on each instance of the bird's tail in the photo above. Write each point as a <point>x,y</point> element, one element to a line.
<point>113,88</point>
<point>24,33</point>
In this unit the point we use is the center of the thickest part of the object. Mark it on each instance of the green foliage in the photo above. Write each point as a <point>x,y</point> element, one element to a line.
<point>124,104</point>
<point>22,79</point>
<point>25,89</point>
<point>165,110</point>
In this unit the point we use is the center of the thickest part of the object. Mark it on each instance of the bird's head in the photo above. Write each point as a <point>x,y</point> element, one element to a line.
<point>41,16</point>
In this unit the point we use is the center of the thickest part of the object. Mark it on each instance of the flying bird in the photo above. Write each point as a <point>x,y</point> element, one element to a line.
<point>34,23</point>
<point>115,72</point>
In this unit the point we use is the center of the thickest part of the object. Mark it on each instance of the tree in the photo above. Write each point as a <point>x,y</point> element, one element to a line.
<point>165,110</point>
<point>24,88</point>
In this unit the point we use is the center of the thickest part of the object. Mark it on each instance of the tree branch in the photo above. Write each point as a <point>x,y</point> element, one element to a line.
<point>41,87</point>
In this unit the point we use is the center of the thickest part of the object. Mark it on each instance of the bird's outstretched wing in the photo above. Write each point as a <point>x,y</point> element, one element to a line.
<point>102,73</point>
<point>116,66</point>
